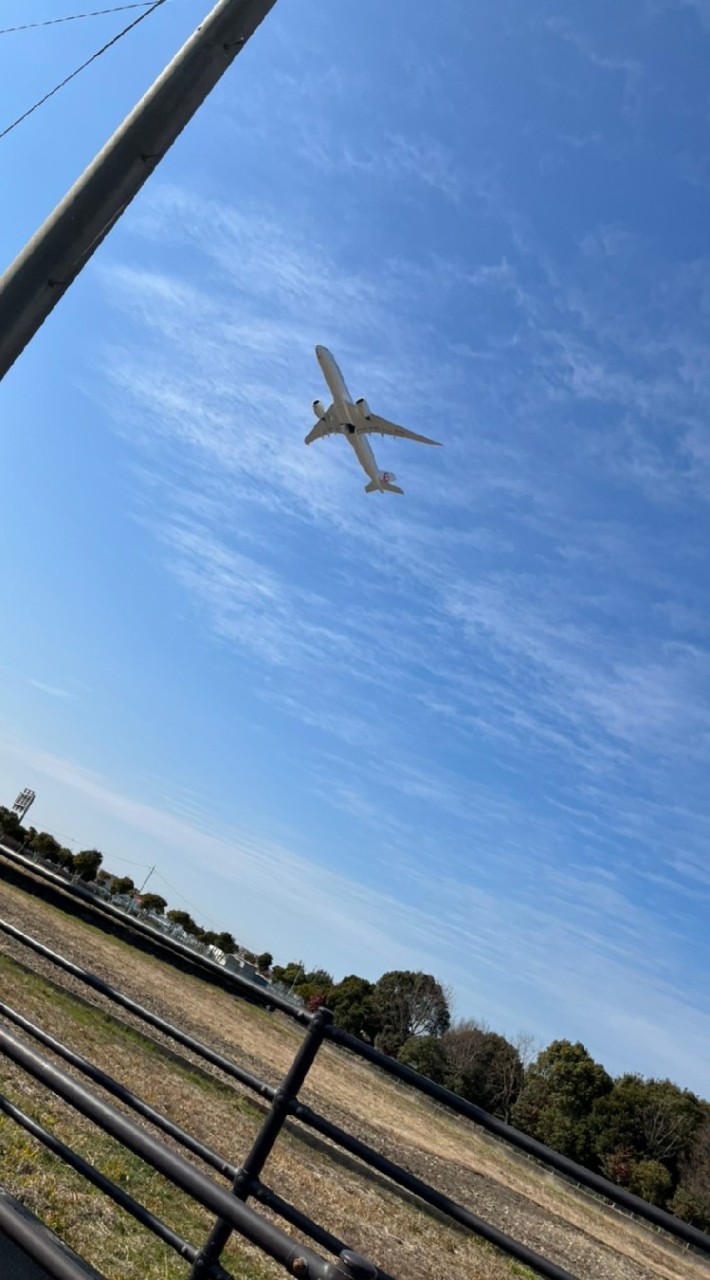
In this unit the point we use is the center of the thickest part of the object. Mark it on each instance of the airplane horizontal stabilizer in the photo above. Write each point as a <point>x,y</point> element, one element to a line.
<point>385,484</point>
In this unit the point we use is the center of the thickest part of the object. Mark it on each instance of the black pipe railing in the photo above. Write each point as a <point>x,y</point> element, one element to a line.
<point>282,1102</point>
<point>119,1091</point>
<point>368,1155</point>
<point>285,1103</point>
<point>523,1142</point>
<point>32,1240</point>
<point>296,1258</point>
<point>257,1189</point>
<point>97,1179</point>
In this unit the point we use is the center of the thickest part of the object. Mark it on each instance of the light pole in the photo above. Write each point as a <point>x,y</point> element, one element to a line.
<point>32,286</point>
<point>23,802</point>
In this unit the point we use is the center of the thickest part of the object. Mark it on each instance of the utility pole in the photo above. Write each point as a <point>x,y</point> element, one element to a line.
<point>32,286</point>
<point>146,881</point>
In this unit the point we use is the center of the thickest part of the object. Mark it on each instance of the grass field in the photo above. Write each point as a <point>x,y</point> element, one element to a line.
<point>372,1215</point>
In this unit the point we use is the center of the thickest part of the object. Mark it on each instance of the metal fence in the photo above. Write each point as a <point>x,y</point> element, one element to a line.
<point>232,1210</point>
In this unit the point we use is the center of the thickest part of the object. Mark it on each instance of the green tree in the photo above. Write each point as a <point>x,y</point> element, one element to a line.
<point>11,826</point>
<point>46,847</point>
<point>651,1180</point>
<point>122,884</point>
<point>153,902</point>
<point>226,943</point>
<point>317,982</point>
<point>643,1120</point>
<point>310,994</point>
<point>86,864</point>
<point>287,974</point>
<point>183,919</point>
<point>264,961</point>
<point>319,978</point>
<point>555,1103</point>
<point>484,1067</point>
<point>353,1005</point>
<point>692,1197</point>
<point>425,1054</point>
<point>409,1004</point>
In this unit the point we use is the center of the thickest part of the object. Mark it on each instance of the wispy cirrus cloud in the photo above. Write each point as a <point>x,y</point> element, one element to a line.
<point>495,678</point>
<point>468,933</point>
<point>230,374</point>
<point>423,161</point>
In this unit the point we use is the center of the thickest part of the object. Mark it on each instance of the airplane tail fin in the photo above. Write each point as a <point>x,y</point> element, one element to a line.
<point>384,485</point>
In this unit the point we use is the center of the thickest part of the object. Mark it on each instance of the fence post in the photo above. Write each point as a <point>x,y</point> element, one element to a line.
<point>249,1172</point>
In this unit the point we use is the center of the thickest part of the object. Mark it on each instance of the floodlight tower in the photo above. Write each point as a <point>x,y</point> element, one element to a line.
<point>23,802</point>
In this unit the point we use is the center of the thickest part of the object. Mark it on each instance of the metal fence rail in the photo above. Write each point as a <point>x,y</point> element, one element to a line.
<point>231,1208</point>
<point>29,1251</point>
<point>523,1142</point>
<point>231,1212</point>
<point>77,898</point>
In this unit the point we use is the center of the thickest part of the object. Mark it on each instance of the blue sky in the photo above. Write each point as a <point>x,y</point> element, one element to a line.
<point>466,730</point>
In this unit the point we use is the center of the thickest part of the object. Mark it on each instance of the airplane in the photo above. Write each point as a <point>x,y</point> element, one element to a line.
<point>354,420</point>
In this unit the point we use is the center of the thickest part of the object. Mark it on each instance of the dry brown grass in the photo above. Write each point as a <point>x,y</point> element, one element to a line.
<point>368,1212</point>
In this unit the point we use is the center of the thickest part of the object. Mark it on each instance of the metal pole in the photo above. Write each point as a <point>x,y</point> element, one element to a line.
<point>32,286</point>
<point>281,1107</point>
<point>146,881</point>
<point>298,1259</point>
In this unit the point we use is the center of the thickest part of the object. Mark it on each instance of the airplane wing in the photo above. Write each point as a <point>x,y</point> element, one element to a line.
<point>326,426</point>
<point>380,426</point>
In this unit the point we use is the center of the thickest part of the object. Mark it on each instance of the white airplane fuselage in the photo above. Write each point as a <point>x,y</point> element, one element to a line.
<point>350,416</point>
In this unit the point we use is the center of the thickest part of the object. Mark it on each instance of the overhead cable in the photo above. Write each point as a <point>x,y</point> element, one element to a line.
<point>41,101</point>
<point>74,17</point>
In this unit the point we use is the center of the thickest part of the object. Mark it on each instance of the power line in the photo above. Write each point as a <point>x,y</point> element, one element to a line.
<point>187,902</point>
<point>40,103</point>
<point>73,17</point>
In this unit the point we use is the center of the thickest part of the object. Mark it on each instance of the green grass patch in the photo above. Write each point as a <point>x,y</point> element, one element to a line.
<point>110,1029</point>
<point>97,1229</point>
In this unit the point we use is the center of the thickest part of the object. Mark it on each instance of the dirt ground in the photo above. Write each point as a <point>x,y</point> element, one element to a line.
<point>374,1217</point>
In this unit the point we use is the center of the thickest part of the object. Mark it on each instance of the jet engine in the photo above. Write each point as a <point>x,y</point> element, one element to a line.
<point>364,408</point>
<point>319,409</point>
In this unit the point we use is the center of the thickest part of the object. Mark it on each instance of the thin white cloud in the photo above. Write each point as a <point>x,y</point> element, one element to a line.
<point>421,161</point>
<point>508,615</point>
<point>590,981</point>
<point>51,689</point>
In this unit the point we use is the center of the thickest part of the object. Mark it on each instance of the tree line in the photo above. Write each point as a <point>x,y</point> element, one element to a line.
<point>647,1135</point>
<point>87,866</point>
